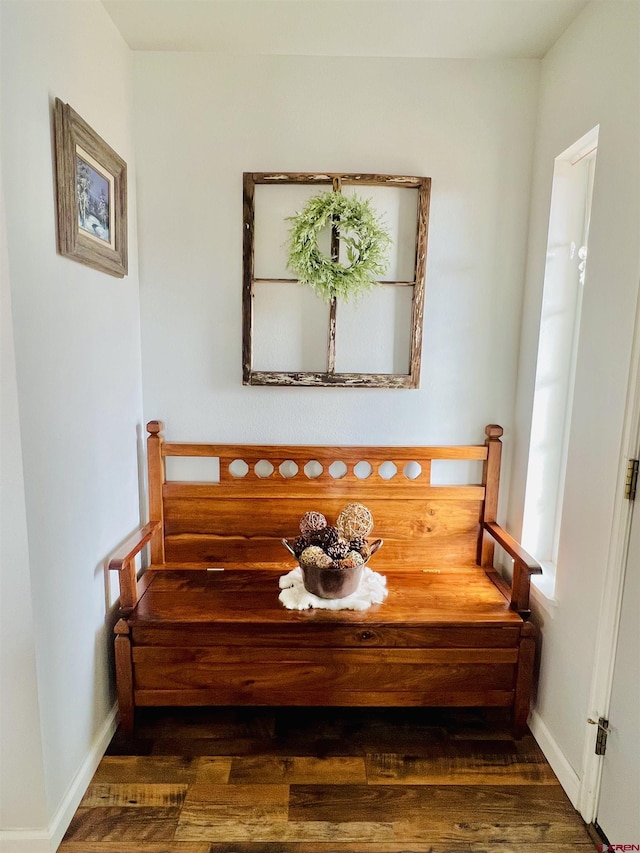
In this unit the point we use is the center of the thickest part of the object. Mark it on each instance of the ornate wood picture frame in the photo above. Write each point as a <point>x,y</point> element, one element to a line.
<point>409,285</point>
<point>91,184</point>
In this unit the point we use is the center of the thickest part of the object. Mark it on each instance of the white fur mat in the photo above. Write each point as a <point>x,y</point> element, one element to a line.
<point>371,590</point>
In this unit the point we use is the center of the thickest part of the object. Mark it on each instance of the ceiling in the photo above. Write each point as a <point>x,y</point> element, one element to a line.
<point>411,28</point>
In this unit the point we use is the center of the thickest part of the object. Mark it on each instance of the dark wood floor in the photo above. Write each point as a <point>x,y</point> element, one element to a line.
<point>324,781</point>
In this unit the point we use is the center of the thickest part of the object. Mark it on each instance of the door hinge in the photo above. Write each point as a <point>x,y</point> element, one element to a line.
<point>601,736</point>
<point>631,482</point>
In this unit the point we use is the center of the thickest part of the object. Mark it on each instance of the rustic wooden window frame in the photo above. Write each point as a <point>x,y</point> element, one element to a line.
<point>330,378</point>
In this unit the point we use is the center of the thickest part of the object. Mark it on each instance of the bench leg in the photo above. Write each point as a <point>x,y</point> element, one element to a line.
<point>524,679</point>
<point>124,677</point>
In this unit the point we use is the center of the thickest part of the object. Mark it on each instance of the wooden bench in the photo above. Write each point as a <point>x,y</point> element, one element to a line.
<point>450,633</point>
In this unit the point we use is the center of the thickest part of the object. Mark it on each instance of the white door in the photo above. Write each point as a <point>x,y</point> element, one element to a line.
<point>618,813</point>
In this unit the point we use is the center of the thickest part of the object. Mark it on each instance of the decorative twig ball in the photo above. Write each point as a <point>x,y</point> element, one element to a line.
<point>315,556</point>
<point>352,560</point>
<point>354,520</point>
<point>312,523</point>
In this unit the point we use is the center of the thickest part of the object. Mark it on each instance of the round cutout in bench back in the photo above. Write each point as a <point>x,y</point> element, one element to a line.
<point>263,469</point>
<point>288,469</point>
<point>313,469</point>
<point>238,468</point>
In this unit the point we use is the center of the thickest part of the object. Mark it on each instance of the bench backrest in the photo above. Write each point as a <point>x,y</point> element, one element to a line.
<point>242,519</point>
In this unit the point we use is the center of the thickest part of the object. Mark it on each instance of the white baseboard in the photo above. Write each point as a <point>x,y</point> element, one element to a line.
<point>48,841</point>
<point>567,776</point>
<point>24,841</point>
<point>76,791</point>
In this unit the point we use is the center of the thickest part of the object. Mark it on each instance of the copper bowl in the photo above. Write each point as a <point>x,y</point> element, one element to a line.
<point>333,582</point>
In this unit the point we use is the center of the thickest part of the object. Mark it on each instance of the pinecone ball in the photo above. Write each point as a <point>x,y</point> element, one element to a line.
<point>355,520</point>
<point>360,544</point>
<point>315,556</point>
<point>312,523</point>
<point>328,536</point>
<point>339,549</point>
<point>299,544</point>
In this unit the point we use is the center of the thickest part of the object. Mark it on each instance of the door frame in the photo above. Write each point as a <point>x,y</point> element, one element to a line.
<point>610,609</point>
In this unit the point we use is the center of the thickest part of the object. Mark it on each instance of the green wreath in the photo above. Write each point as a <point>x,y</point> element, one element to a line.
<point>364,237</point>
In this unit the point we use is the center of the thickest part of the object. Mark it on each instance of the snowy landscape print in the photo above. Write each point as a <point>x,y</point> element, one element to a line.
<point>92,195</point>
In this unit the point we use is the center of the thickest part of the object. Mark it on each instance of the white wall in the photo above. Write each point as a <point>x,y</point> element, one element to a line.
<point>202,120</point>
<point>77,363</point>
<point>590,77</point>
<point>22,792</point>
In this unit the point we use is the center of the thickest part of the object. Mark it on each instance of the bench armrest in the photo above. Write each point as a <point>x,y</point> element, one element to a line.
<point>123,562</point>
<point>524,566</point>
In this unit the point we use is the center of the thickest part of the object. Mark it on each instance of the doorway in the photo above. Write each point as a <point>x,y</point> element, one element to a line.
<point>618,809</point>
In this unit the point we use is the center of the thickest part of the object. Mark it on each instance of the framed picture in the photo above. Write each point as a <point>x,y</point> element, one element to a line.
<point>91,184</point>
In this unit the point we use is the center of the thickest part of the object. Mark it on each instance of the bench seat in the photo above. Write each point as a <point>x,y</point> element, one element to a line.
<point>456,598</point>
<point>223,638</point>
